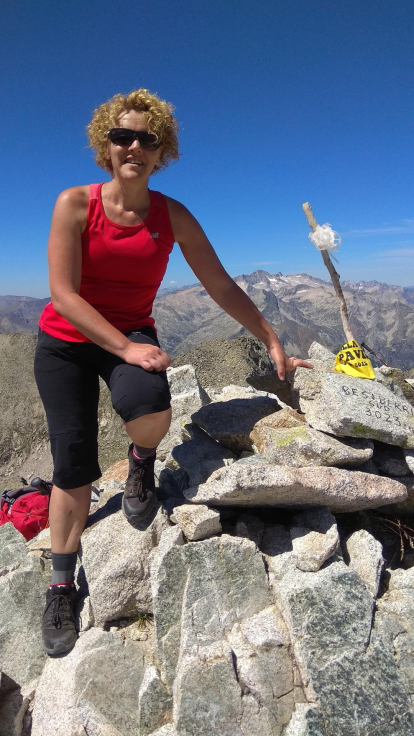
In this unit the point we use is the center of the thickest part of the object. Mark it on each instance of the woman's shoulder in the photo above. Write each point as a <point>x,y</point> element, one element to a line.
<point>74,196</point>
<point>71,206</point>
<point>73,201</point>
<point>175,208</point>
<point>182,221</point>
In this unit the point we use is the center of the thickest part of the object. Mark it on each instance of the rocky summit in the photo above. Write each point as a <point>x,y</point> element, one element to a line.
<point>271,593</point>
<point>339,404</point>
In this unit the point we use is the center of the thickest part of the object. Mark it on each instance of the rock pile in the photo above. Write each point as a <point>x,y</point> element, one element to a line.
<point>244,608</point>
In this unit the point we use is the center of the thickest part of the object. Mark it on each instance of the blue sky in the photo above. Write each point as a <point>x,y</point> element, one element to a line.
<point>279,103</point>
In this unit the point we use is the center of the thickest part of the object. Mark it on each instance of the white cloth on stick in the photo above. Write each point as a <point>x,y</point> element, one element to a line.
<point>325,238</point>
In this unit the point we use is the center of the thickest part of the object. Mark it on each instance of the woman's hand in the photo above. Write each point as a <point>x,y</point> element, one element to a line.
<point>283,363</point>
<point>149,357</point>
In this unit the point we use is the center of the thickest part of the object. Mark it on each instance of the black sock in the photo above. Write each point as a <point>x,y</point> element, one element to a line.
<point>142,453</point>
<point>63,567</point>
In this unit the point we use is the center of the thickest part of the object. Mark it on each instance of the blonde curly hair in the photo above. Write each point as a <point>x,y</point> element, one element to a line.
<point>158,114</point>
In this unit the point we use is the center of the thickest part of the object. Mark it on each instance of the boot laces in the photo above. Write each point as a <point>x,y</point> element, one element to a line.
<point>138,489</point>
<point>60,611</point>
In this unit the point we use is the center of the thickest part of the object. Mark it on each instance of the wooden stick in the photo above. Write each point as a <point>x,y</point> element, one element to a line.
<point>334,275</point>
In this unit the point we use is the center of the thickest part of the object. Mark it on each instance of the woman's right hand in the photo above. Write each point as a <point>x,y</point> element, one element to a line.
<point>149,357</point>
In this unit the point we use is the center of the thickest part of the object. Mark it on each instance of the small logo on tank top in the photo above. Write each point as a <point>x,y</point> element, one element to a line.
<point>154,235</point>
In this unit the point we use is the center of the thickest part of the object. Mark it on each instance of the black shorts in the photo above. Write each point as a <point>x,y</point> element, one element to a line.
<point>67,376</point>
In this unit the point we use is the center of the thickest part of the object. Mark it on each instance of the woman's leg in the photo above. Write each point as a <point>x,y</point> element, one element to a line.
<point>68,512</point>
<point>142,399</point>
<point>69,388</point>
<point>149,430</point>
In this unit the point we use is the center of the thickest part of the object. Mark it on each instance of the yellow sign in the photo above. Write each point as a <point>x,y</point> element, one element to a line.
<point>352,360</point>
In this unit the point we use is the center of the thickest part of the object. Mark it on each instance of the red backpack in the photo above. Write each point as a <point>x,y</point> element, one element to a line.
<point>27,508</point>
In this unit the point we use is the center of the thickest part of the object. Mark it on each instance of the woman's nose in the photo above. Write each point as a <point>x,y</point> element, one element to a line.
<point>135,145</point>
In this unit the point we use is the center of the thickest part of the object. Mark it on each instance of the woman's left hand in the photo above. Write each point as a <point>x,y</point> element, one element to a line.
<point>283,363</point>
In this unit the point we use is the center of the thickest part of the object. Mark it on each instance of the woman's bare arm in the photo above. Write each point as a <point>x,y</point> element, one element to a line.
<point>202,259</point>
<point>65,266</point>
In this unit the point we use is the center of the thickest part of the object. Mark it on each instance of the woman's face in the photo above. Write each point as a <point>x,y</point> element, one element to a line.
<point>132,162</point>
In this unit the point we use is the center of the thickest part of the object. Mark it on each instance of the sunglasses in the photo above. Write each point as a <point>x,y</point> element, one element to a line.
<point>125,137</point>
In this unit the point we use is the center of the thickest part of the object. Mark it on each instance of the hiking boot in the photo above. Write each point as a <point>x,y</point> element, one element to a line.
<point>59,625</point>
<point>140,498</point>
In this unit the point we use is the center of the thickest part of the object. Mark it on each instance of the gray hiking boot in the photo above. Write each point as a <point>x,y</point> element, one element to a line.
<point>140,497</point>
<point>59,624</point>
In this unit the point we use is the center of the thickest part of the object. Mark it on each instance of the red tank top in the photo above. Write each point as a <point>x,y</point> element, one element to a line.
<point>122,268</point>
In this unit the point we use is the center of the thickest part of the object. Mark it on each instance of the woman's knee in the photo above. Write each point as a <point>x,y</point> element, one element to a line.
<point>149,429</point>
<point>131,407</point>
<point>136,392</point>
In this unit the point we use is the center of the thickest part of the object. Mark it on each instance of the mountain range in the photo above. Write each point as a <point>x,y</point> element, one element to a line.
<point>300,308</point>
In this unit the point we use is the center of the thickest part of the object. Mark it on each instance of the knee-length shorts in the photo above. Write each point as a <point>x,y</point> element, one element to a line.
<point>67,376</point>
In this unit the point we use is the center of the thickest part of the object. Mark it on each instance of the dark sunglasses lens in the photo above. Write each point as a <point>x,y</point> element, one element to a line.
<point>122,137</point>
<point>148,141</point>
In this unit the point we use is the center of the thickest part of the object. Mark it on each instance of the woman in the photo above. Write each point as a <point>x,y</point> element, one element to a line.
<point>108,251</point>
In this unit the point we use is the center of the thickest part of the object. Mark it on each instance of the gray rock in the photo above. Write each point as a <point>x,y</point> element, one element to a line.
<point>200,455</point>
<point>14,707</point>
<point>265,629</point>
<point>272,384</point>
<point>232,391</point>
<point>353,407</point>
<point>13,552</point>
<point>403,581</point>
<point>167,730</point>
<point>277,549</point>
<point>170,537</point>
<point>315,539</point>
<point>256,484</point>
<point>344,666</point>
<point>390,460</point>
<point>250,527</point>
<point>111,485</point>
<point>395,622</point>
<point>282,419</point>
<point>217,568</point>
<point>172,483</point>
<point>115,559</point>
<point>409,459</point>
<point>406,506</point>
<point>236,358</point>
<point>85,614</point>
<point>186,397</point>
<point>222,647</point>
<point>365,557</point>
<point>197,522</point>
<point>369,467</point>
<point>303,447</point>
<point>319,354</point>
<point>154,703</point>
<point>230,422</point>
<point>182,408</point>
<point>395,380</point>
<point>22,602</point>
<point>307,720</point>
<point>159,466</point>
<point>110,498</point>
<point>171,503</point>
<point>95,686</point>
<point>385,370</point>
<point>251,459</point>
<point>182,380</point>
<point>264,667</point>
<point>40,546</point>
